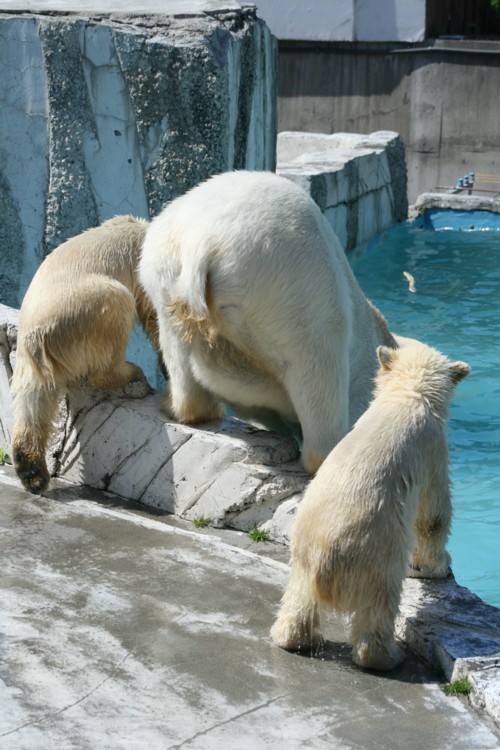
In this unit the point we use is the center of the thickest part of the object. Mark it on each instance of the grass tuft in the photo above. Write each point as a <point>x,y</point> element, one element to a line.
<point>201,522</point>
<point>458,687</point>
<point>258,535</point>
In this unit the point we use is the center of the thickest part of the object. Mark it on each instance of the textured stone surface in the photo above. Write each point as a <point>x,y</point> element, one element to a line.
<point>230,472</point>
<point>106,113</point>
<point>455,630</point>
<point>358,181</point>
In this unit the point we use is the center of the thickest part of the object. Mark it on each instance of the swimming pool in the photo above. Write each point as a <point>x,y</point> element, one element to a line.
<point>456,308</point>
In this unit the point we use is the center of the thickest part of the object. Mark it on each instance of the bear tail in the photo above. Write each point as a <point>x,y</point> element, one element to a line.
<point>35,347</point>
<point>191,305</point>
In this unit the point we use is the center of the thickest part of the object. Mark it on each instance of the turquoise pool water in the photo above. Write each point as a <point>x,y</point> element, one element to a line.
<point>456,308</point>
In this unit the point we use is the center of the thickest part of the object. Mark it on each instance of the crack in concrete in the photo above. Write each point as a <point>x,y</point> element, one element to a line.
<point>116,470</point>
<point>72,438</point>
<point>81,415</point>
<point>227,721</point>
<point>61,711</point>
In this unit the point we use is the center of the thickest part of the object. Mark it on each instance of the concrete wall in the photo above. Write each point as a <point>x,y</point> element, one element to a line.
<point>442,100</point>
<point>345,20</point>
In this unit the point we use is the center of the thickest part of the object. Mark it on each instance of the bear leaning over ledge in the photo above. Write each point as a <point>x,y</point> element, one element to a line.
<point>380,502</point>
<point>75,322</point>
<point>258,308</point>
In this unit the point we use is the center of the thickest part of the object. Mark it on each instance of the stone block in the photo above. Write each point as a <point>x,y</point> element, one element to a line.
<point>358,181</point>
<point>456,202</point>
<point>118,112</point>
<point>121,442</point>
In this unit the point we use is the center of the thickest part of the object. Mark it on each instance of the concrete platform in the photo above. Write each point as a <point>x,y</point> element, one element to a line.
<point>122,629</point>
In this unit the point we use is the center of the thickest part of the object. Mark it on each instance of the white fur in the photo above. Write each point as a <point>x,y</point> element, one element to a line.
<point>75,322</point>
<point>380,500</point>
<point>258,308</point>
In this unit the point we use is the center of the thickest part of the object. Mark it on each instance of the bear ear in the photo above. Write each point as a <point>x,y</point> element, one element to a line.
<point>385,355</point>
<point>459,371</point>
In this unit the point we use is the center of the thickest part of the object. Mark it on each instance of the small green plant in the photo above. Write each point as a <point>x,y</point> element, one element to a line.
<point>4,456</point>
<point>258,535</point>
<point>201,522</point>
<point>458,687</point>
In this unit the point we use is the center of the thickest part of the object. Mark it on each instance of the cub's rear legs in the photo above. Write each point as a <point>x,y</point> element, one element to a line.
<point>297,626</point>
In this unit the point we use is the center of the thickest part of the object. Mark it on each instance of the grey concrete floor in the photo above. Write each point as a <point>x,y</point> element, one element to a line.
<point>121,629</point>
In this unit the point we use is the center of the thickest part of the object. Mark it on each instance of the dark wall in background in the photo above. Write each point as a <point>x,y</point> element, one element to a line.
<point>462,17</point>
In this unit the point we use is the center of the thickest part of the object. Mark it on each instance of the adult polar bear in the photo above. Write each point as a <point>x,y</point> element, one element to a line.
<point>258,307</point>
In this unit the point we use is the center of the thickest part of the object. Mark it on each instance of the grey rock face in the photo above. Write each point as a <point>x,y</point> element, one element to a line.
<point>227,471</point>
<point>106,114</point>
<point>358,181</point>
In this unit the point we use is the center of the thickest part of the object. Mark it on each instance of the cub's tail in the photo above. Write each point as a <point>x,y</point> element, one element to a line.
<point>33,364</point>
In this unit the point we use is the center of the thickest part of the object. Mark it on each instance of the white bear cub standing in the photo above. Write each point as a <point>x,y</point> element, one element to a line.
<point>380,501</point>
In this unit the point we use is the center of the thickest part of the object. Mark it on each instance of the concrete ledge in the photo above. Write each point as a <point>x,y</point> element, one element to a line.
<point>239,476</point>
<point>452,628</point>
<point>358,181</point>
<point>456,202</point>
<point>230,472</point>
<point>121,625</point>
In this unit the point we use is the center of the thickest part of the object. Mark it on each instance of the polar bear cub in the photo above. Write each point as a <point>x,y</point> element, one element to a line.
<point>380,501</point>
<point>258,308</point>
<point>75,322</point>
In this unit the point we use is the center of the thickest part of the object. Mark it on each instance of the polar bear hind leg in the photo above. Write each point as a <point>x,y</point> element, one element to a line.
<point>297,626</point>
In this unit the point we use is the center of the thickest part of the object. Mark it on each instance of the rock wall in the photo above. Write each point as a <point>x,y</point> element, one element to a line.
<point>118,113</point>
<point>358,181</point>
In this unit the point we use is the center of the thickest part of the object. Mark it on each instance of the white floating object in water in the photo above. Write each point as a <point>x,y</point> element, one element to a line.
<point>411,281</point>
